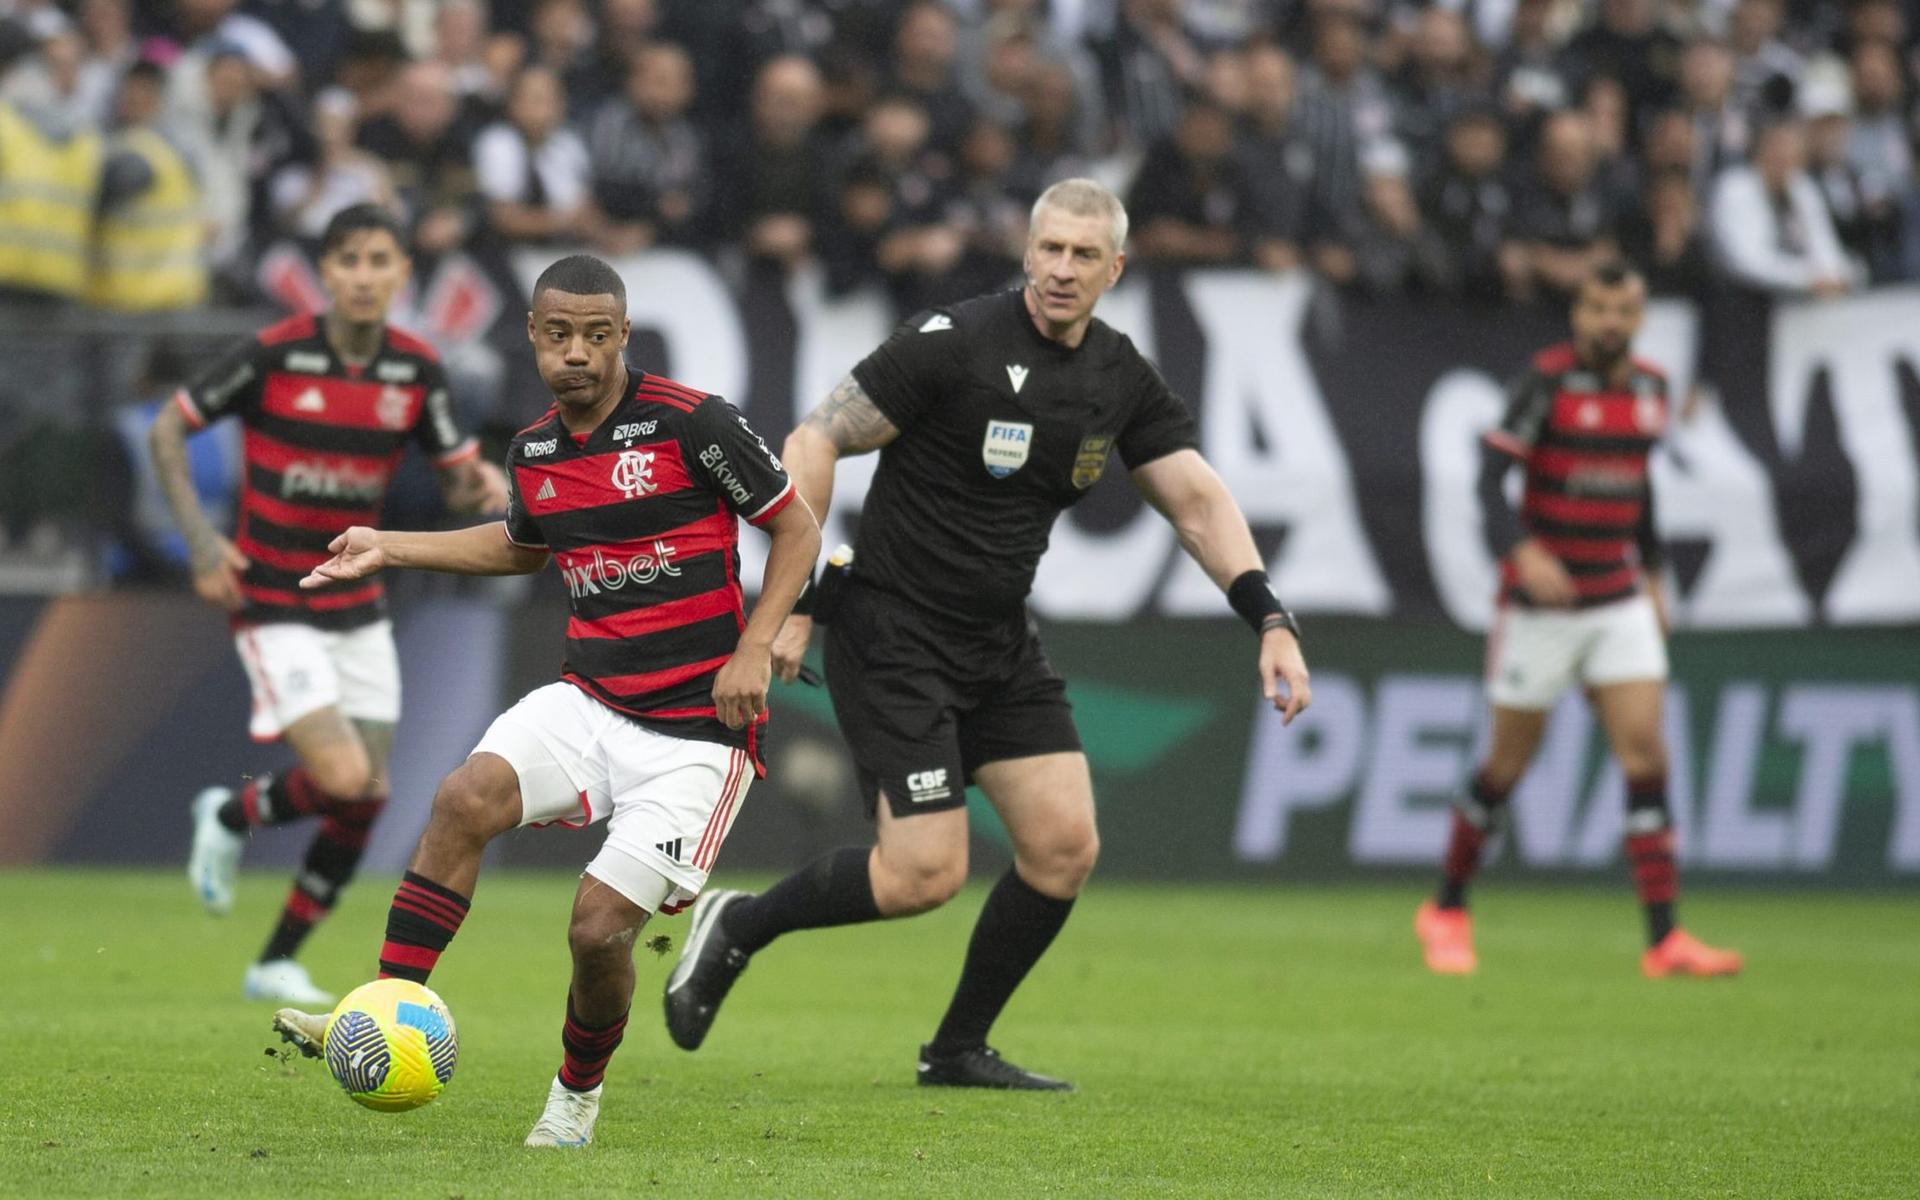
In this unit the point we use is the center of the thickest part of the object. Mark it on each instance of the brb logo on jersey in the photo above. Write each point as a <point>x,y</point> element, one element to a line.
<point>633,474</point>
<point>1006,447</point>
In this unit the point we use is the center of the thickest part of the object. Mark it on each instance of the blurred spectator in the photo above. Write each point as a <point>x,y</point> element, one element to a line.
<point>1277,163</point>
<point>1722,128</point>
<point>1666,239</point>
<point>1671,146</point>
<point>1054,141</point>
<point>202,25</point>
<point>1765,67</point>
<point>107,27</point>
<point>34,20</point>
<point>777,165</point>
<point>532,170</point>
<point>1004,50</point>
<point>1190,204</point>
<point>1225,81</point>
<point>924,52</point>
<point>1385,249</point>
<point>561,39</point>
<point>991,223</point>
<point>461,43</point>
<point>240,138</point>
<point>1147,66</point>
<point>320,31</point>
<point>1868,21</point>
<point>1441,76</point>
<point>56,83</point>
<point>1341,108</point>
<point>149,240</point>
<point>852,83</point>
<point>305,196</point>
<point>1605,103</point>
<point>626,27</point>
<point>1564,220</point>
<point>370,68</point>
<point>1770,226</point>
<point>1626,42</point>
<point>1862,206</point>
<point>425,142</point>
<point>1877,144</point>
<point>651,177</point>
<point>1528,76</point>
<point>1469,203</point>
<point>914,247</point>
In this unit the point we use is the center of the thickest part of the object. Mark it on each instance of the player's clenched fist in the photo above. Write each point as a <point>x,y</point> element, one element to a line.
<point>356,554</point>
<point>740,689</point>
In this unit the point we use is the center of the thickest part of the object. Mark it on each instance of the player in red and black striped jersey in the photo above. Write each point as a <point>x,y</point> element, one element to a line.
<point>329,404</point>
<point>634,485</point>
<point>1579,602</point>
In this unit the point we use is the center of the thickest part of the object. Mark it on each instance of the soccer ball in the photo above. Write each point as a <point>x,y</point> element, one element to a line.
<point>391,1045</point>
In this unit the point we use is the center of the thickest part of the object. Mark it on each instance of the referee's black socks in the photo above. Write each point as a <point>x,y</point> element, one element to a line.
<point>834,890</point>
<point>1016,926</point>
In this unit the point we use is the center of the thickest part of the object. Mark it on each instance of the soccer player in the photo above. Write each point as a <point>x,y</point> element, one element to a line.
<point>991,417</point>
<point>632,484</point>
<point>328,404</point>
<point>1579,601</point>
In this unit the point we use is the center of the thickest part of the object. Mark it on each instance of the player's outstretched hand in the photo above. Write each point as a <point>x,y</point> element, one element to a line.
<point>790,646</point>
<point>740,690</point>
<point>356,555</point>
<point>216,574</point>
<point>1283,674</point>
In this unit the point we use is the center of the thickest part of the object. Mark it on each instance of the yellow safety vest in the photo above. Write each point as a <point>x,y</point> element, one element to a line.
<point>47,189</point>
<point>149,252</point>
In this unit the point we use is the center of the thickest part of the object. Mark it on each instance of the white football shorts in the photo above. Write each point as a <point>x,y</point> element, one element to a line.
<point>1534,655</point>
<point>296,669</point>
<point>668,802</point>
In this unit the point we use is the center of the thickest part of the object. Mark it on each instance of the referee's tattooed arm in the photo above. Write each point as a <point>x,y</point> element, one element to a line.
<point>847,422</point>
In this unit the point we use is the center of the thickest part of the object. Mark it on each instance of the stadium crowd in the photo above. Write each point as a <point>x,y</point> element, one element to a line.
<point>1477,150</point>
<point>1482,148</point>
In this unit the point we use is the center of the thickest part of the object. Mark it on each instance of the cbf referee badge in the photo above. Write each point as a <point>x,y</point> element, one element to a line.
<point>1090,461</point>
<point>1006,448</point>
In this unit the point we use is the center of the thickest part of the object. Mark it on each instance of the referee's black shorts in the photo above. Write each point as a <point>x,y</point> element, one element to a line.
<point>923,702</point>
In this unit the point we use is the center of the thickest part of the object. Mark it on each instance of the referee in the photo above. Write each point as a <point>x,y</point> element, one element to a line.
<point>991,417</point>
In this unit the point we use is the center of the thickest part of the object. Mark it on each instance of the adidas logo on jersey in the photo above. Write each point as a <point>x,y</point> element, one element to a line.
<point>936,322</point>
<point>545,492</point>
<point>310,401</point>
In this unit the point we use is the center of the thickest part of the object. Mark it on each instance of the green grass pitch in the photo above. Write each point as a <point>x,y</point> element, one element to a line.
<point>1227,1042</point>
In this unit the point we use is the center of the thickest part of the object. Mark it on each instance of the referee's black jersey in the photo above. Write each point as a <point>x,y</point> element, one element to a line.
<point>1000,430</point>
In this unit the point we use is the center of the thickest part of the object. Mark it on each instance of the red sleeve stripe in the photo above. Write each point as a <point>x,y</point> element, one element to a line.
<point>670,614</point>
<point>317,601</point>
<point>653,681</point>
<point>664,384</point>
<point>298,516</point>
<point>459,454</point>
<point>1506,443</point>
<point>184,403</point>
<point>664,398</point>
<point>772,508</point>
<point>544,418</point>
<point>293,329</point>
<point>407,343</point>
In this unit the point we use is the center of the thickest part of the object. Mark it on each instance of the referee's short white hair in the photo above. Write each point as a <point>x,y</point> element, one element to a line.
<point>1084,198</point>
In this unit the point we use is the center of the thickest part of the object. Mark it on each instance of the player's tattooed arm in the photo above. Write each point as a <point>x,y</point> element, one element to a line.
<point>213,559</point>
<point>850,420</point>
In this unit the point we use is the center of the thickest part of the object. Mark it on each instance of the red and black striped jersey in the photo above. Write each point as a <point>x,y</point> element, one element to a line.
<point>322,440</point>
<point>1584,445</point>
<point>640,515</point>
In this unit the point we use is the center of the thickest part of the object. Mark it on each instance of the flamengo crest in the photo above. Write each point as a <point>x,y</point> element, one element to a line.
<point>633,474</point>
<point>1006,447</point>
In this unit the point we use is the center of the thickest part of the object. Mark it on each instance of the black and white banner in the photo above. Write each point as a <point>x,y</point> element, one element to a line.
<point>1348,430</point>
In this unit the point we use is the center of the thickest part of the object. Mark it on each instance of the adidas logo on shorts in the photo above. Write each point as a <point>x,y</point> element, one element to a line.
<point>670,849</point>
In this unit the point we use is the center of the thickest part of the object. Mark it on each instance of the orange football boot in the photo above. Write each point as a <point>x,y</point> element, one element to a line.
<point>1446,935</point>
<point>1680,953</point>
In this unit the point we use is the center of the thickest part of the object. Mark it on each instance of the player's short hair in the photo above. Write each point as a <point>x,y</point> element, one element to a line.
<point>359,218</point>
<point>1084,198</point>
<point>581,275</point>
<point>1614,272</point>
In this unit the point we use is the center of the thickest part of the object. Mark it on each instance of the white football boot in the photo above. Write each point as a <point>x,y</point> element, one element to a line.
<point>307,1031</point>
<point>215,859</point>
<point>285,980</point>
<point>568,1121</point>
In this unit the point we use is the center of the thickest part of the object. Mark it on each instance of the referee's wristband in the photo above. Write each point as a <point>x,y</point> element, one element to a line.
<point>803,603</point>
<point>1251,595</point>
